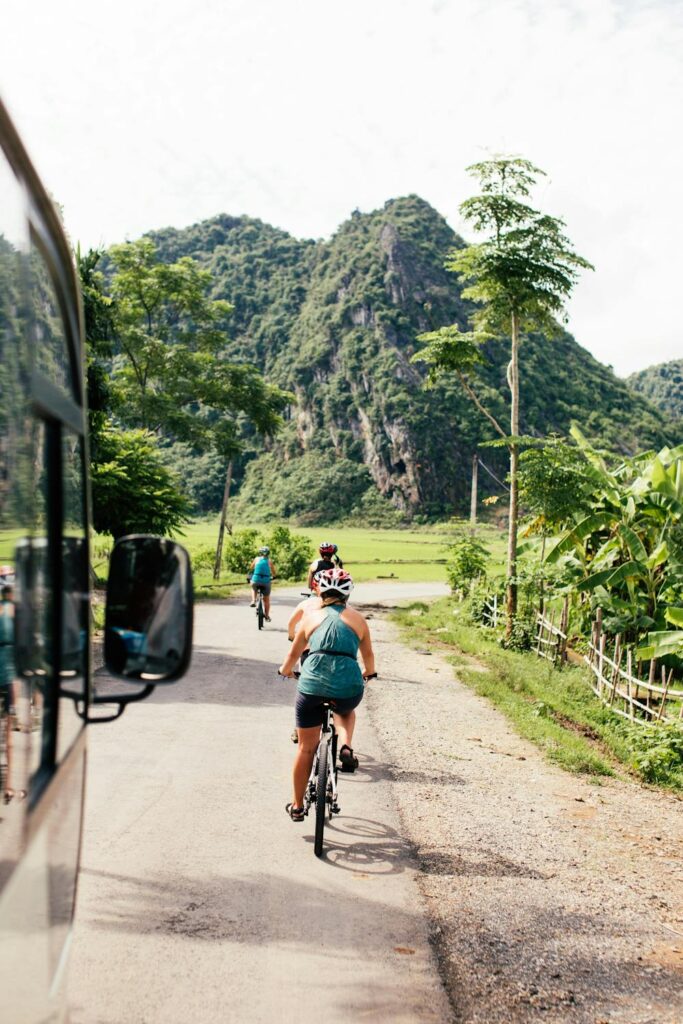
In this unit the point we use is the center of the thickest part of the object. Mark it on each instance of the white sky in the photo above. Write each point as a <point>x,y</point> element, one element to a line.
<point>142,114</point>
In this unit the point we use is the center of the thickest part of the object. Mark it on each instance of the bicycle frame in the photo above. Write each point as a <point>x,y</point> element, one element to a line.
<point>328,735</point>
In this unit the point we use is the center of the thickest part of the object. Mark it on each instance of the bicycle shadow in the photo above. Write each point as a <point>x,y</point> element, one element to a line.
<point>380,850</point>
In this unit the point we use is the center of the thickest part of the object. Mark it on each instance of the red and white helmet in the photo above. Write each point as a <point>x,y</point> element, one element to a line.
<point>335,579</point>
<point>327,549</point>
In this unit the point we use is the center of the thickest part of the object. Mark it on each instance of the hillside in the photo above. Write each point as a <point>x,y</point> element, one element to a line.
<point>335,322</point>
<point>662,385</point>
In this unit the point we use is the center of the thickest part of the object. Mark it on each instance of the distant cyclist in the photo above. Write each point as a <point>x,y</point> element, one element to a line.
<point>334,635</point>
<point>329,559</point>
<point>261,575</point>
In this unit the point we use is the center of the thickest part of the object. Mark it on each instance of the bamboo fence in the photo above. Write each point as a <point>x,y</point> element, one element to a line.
<point>623,690</point>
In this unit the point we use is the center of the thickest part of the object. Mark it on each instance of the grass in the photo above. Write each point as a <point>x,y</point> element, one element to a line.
<point>411,555</point>
<point>553,708</point>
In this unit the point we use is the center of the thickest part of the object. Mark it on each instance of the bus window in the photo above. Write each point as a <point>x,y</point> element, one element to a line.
<point>75,609</point>
<point>50,347</point>
<point>16,429</point>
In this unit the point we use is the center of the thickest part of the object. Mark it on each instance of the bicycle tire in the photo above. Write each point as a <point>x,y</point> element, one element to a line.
<point>260,614</point>
<point>321,797</point>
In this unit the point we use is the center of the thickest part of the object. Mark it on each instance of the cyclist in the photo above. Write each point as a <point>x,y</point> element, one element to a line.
<point>335,634</point>
<point>329,559</point>
<point>261,575</point>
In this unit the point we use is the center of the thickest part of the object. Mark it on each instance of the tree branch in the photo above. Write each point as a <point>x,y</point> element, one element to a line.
<point>465,383</point>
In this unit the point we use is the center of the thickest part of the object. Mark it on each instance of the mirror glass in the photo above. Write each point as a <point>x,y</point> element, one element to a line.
<point>148,625</point>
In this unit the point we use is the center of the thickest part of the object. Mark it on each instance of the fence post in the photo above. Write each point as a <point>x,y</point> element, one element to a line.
<point>629,668</point>
<point>617,665</point>
<point>495,611</point>
<point>666,683</point>
<point>600,664</point>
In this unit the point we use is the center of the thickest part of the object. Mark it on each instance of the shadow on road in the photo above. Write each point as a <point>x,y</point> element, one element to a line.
<point>380,850</point>
<point>257,909</point>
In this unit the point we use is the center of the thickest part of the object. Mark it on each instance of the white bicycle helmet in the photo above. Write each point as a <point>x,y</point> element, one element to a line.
<point>338,580</point>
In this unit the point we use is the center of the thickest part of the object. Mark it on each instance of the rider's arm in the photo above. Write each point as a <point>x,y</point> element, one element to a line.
<point>273,573</point>
<point>311,573</point>
<point>295,651</point>
<point>367,654</point>
<point>294,619</point>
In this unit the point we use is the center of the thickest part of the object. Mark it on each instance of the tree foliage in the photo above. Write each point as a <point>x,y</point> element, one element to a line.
<point>519,278</point>
<point>133,492</point>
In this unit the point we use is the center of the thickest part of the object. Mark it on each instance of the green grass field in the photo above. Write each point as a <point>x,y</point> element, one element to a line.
<point>411,555</point>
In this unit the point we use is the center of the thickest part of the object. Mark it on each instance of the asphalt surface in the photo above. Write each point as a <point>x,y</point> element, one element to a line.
<point>200,900</point>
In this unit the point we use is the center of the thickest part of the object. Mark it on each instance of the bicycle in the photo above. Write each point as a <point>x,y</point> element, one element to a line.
<point>321,789</point>
<point>260,607</point>
<point>322,786</point>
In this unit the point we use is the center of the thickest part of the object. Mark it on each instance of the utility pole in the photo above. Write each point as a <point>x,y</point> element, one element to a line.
<point>473,499</point>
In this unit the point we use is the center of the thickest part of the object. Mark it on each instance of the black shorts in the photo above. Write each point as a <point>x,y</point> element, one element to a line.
<point>310,708</point>
<point>264,588</point>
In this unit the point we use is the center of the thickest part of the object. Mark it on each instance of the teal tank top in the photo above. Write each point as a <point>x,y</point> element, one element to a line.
<point>332,674</point>
<point>261,571</point>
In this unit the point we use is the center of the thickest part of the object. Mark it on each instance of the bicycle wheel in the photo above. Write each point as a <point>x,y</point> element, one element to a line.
<point>260,614</point>
<point>321,797</point>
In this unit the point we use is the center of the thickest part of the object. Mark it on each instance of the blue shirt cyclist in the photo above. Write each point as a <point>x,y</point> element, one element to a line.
<point>261,575</point>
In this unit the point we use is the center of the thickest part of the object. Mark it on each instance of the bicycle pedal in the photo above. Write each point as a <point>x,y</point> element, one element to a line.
<point>336,809</point>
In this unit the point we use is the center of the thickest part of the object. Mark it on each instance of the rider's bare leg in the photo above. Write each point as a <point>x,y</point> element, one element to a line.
<point>303,761</point>
<point>345,724</point>
<point>266,605</point>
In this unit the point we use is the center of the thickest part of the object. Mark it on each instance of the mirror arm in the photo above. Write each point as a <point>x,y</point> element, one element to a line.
<point>122,701</point>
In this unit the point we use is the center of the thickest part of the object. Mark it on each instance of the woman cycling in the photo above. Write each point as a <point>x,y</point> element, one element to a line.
<point>261,575</point>
<point>329,559</point>
<point>331,674</point>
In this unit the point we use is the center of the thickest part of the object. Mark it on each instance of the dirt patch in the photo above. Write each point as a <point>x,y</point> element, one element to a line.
<point>549,898</point>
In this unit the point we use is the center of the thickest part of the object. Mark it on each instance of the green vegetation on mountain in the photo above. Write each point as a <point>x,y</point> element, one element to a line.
<point>335,323</point>
<point>662,385</point>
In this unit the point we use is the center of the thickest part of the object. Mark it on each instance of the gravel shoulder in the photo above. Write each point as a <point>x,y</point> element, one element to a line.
<point>549,897</point>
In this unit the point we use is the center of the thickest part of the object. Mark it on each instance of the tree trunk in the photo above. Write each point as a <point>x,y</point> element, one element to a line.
<point>221,528</point>
<point>473,498</point>
<point>513,380</point>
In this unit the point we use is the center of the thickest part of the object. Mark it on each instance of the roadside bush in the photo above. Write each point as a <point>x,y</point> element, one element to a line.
<point>203,559</point>
<point>291,552</point>
<point>658,753</point>
<point>522,636</point>
<point>467,563</point>
<point>239,549</point>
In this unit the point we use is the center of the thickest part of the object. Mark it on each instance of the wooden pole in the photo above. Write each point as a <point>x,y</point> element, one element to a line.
<point>629,668</point>
<point>221,528</point>
<point>473,496</point>
<point>615,670</point>
<point>666,683</point>
<point>600,664</point>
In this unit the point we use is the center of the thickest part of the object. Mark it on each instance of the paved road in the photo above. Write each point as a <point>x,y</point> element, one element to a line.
<point>199,900</point>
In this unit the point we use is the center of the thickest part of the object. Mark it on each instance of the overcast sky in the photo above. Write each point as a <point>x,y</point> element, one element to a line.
<point>146,113</point>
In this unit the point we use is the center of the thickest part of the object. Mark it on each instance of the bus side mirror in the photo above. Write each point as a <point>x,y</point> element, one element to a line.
<point>148,622</point>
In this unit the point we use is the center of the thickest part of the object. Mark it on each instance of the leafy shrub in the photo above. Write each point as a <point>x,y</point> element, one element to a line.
<point>290,552</point>
<point>658,753</point>
<point>522,636</point>
<point>239,549</point>
<point>203,559</point>
<point>467,563</point>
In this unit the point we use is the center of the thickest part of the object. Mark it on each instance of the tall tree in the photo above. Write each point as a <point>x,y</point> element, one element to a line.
<point>172,376</point>
<point>520,277</point>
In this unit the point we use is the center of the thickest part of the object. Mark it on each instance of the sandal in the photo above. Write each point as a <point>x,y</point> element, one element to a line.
<point>295,813</point>
<point>347,758</point>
